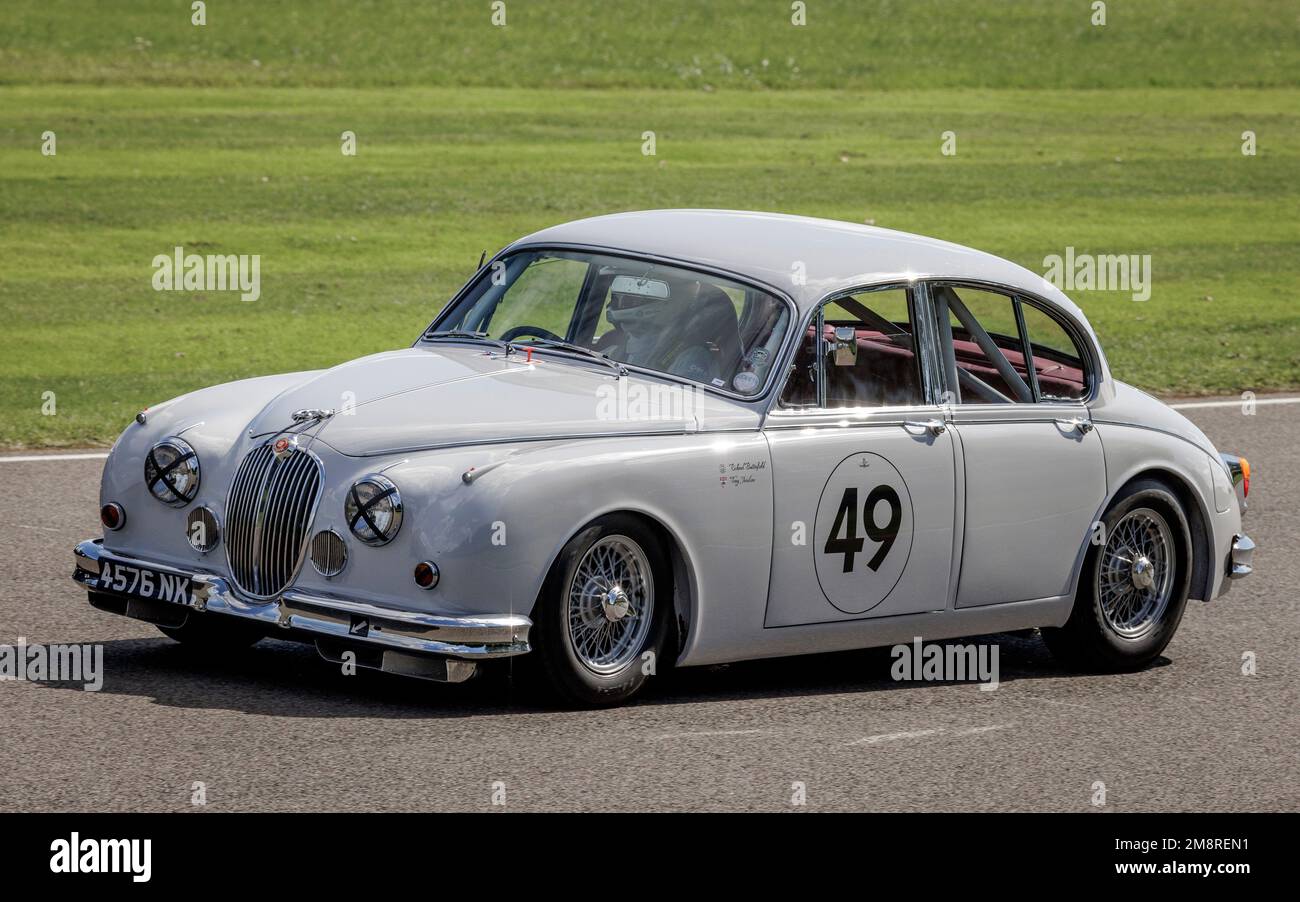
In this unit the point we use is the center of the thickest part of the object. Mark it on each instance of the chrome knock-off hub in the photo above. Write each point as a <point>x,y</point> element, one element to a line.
<point>615,604</point>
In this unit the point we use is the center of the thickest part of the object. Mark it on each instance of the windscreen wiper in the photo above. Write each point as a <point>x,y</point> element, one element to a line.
<point>560,345</point>
<point>467,335</point>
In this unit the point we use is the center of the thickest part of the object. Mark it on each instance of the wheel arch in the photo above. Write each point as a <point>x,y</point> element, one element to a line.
<point>1202,576</point>
<point>685,591</point>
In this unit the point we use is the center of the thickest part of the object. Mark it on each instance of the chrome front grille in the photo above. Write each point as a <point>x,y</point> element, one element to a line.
<point>268,515</point>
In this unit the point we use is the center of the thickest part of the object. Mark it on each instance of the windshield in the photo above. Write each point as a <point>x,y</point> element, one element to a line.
<point>663,318</point>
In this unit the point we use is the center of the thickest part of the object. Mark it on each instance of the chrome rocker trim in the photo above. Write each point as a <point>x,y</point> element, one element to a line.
<point>339,623</point>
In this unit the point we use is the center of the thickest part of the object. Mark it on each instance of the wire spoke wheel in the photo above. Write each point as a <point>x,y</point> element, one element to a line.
<point>610,604</point>
<point>1135,580</point>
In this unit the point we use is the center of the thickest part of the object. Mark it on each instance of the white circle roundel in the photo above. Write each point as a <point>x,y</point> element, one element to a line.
<point>863,534</point>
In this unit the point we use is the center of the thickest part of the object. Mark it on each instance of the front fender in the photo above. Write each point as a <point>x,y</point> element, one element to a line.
<point>496,535</point>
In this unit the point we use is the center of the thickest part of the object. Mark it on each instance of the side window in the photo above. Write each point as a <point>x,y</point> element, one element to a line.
<point>989,361</point>
<point>864,356</point>
<point>1058,362</point>
<point>987,358</point>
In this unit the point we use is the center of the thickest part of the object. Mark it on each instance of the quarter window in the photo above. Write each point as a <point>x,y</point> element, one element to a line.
<point>1058,362</point>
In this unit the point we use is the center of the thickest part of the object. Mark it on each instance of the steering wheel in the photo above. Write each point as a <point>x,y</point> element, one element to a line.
<point>535,331</point>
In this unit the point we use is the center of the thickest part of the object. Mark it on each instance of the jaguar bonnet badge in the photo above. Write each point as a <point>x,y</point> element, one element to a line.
<point>284,446</point>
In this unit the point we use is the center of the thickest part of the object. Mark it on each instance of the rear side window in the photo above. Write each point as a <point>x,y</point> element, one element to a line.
<point>1000,349</point>
<point>988,358</point>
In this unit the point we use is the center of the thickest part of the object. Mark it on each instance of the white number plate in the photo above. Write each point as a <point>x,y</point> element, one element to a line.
<point>141,582</point>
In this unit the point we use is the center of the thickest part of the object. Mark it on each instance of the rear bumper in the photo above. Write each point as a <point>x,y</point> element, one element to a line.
<point>333,621</point>
<point>1241,557</point>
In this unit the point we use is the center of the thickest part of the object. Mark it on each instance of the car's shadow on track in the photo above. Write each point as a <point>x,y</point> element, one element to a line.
<point>286,679</point>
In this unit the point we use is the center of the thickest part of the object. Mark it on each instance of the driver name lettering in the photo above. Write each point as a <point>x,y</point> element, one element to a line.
<point>740,473</point>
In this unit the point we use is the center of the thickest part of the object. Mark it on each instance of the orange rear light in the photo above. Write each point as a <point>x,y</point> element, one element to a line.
<point>1245,478</point>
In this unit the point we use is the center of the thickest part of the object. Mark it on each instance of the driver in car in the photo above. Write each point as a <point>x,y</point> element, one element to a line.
<point>688,329</point>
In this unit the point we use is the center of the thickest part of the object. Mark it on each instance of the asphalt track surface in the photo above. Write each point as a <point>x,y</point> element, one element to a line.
<point>277,728</point>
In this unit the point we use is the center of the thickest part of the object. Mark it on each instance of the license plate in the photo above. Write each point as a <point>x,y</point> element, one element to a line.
<point>141,582</point>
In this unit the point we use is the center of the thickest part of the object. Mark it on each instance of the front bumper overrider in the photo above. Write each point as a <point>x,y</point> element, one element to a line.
<point>412,643</point>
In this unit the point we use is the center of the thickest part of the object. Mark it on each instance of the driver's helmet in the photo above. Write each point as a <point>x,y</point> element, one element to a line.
<point>639,305</point>
<point>643,308</point>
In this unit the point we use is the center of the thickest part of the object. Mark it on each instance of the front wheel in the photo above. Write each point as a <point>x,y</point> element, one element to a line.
<point>1133,586</point>
<point>603,618</point>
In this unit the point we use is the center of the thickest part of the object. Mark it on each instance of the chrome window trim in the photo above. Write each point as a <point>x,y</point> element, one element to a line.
<point>851,417</point>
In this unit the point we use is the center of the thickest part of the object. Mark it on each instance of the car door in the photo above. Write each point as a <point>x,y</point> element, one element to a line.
<point>1033,468</point>
<point>863,468</point>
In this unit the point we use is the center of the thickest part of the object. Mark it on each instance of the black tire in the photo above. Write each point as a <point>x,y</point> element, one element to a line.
<point>1089,641</point>
<point>554,666</point>
<point>214,634</point>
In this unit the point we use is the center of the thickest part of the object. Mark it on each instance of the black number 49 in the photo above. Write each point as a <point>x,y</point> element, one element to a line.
<point>851,544</point>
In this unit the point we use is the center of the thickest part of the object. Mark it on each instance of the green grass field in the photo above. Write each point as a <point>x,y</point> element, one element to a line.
<point>1119,139</point>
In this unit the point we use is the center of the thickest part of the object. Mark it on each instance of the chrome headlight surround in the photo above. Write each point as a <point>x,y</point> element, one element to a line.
<point>171,472</point>
<point>373,509</point>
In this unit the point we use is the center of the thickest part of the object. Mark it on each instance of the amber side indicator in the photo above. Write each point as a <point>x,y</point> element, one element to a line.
<point>426,574</point>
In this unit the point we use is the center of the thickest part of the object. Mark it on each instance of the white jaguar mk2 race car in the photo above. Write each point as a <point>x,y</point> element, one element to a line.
<point>676,438</point>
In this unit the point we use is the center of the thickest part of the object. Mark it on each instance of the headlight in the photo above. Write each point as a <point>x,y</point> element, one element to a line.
<point>374,509</point>
<point>171,471</point>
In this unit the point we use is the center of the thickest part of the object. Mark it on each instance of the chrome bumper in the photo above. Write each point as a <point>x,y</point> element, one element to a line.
<point>1241,558</point>
<point>339,622</point>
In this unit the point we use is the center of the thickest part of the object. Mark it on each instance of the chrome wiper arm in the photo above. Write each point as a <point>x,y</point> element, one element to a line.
<point>591,353</point>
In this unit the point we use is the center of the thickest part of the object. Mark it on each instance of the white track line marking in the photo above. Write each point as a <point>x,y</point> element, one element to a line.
<point>891,737</point>
<point>1193,405</point>
<point>917,734</point>
<point>36,458</point>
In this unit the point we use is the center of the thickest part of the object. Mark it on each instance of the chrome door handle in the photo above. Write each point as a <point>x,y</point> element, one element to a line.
<point>934,427</point>
<point>1084,426</point>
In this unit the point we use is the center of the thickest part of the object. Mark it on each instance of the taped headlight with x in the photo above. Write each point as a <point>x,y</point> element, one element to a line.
<point>171,472</point>
<point>374,510</point>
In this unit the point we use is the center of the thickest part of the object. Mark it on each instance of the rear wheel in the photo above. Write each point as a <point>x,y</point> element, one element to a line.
<point>603,618</point>
<point>1133,587</point>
